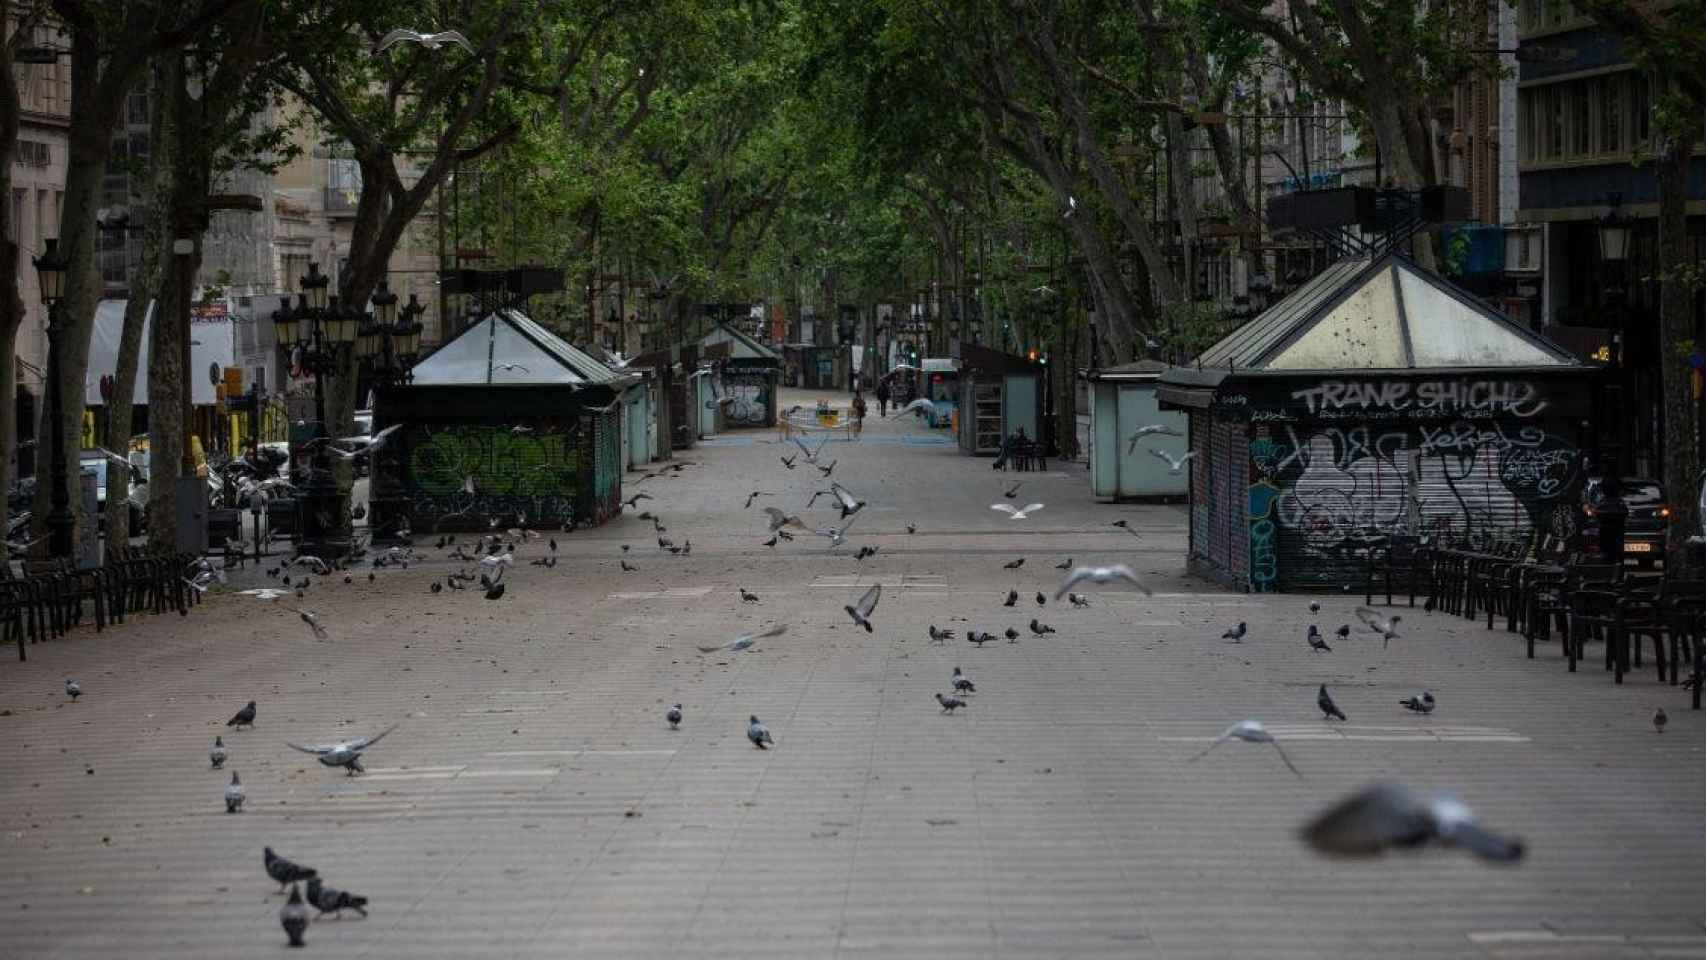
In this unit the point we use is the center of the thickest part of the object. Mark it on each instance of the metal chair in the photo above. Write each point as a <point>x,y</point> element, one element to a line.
<point>1591,611</point>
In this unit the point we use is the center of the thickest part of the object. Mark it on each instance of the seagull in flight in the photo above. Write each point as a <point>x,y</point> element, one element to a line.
<point>1156,429</point>
<point>510,366</point>
<point>431,41</point>
<point>344,753</point>
<point>1174,464</point>
<point>1013,514</point>
<point>745,640</point>
<point>1118,571</point>
<point>1249,731</point>
<point>1388,816</point>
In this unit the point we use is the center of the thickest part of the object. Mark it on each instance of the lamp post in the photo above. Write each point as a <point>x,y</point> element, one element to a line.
<point>320,330</point>
<point>50,275</point>
<point>387,345</point>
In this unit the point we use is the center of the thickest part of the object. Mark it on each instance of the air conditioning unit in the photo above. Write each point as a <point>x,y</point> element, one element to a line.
<point>1524,248</point>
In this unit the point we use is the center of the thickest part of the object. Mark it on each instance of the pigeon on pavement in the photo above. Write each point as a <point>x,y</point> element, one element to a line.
<point>962,683</point>
<point>940,636</point>
<point>244,717</point>
<point>1422,704</point>
<point>1077,600</point>
<point>285,871</point>
<point>1012,598</point>
<point>1344,631</point>
<point>1013,514</point>
<point>1012,635</point>
<point>1314,606</point>
<point>745,640</point>
<point>1064,564</point>
<point>294,916</point>
<point>973,636</point>
<point>758,733</point>
<point>329,900</point>
<point>234,795</point>
<point>1236,634</point>
<point>747,597</point>
<point>344,753</point>
<point>1389,816</point>
<point>1659,720</point>
<point>1317,643</point>
<point>217,755</point>
<point>673,715</point>
<point>949,704</point>
<point>1249,731</point>
<point>1118,571</point>
<point>861,611</point>
<point>1042,601</point>
<point>1040,629</point>
<point>1329,709</point>
<point>1386,627</point>
<point>1013,564</point>
<point>73,689</point>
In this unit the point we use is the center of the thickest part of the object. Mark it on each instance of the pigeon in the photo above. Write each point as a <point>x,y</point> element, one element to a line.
<point>1013,491</point>
<point>962,683</point>
<point>1012,598</point>
<point>785,535</point>
<point>912,528</point>
<point>972,636</point>
<point>1077,600</point>
<point>1012,635</point>
<point>312,619</point>
<point>1249,731</point>
<point>758,733</point>
<point>1118,571</point>
<point>754,495</point>
<point>949,704</point>
<point>217,754</point>
<point>673,715</point>
<point>778,520</point>
<point>1329,709</point>
<point>1386,816</point>
<point>849,503</point>
<point>810,454</point>
<point>1344,631</point>
<point>1154,428</point>
<point>1013,514</point>
<point>627,567</point>
<point>1314,606</point>
<point>939,636</point>
<point>1174,464</point>
<point>746,597</point>
<point>826,471</point>
<point>344,753</point>
<point>770,542</point>
<point>552,543</point>
<point>634,500</point>
<point>234,795</point>
<point>861,611</point>
<point>244,717</point>
<point>73,689</point>
<point>789,461</point>
<point>1659,720</point>
<point>294,917</point>
<point>1122,524</point>
<point>745,640</point>
<point>1423,704</point>
<point>836,535</point>
<point>922,404</point>
<point>1040,629</point>
<point>1014,565</point>
<point>1236,634</point>
<point>1064,564</point>
<point>1041,600</point>
<point>1316,641</point>
<point>284,871</point>
<point>1387,628</point>
<point>496,591</point>
<point>329,900</point>
<point>437,587</point>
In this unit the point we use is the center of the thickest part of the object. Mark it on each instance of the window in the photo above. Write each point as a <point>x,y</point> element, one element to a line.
<point>17,227</point>
<point>1538,15</point>
<point>1604,116</point>
<point>41,217</point>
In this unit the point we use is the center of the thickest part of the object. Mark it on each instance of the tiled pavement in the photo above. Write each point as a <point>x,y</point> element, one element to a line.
<point>533,802</point>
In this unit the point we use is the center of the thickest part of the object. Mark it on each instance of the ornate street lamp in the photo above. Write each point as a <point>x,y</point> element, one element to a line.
<point>318,331</point>
<point>388,346</point>
<point>1615,231</point>
<point>50,276</point>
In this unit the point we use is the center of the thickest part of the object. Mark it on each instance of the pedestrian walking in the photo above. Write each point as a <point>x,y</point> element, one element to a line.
<point>883,397</point>
<point>858,413</point>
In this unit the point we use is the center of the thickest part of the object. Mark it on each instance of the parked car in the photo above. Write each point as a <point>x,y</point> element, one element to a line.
<point>1644,530</point>
<point>136,487</point>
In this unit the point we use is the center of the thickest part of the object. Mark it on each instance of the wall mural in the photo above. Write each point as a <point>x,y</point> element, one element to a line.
<point>1338,492</point>
<point>532,470</point>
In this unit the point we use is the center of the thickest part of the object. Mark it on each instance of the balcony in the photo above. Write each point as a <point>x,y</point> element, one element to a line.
<point>341,202</point>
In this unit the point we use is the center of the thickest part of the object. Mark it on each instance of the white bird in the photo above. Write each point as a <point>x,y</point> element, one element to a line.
<point>861,611</point>
<point>745,640</point>
<point>266,593</point>
<point>234,795</point>
<point>1160,429</point>
<point>344,753</point>
<point>1118,571</point>
<point>922,403</point>
<point>849,503</point>
<point>1071,206</point>
<point>431,41</point>
<point>1013,514</point>
<point>309,560</point>
<point>1386,627</point>
<point>511,366</point>
<point>1043,289</point>
<point>1385,816</point>
<point>1249,731</point>
<point>1174,464</point>
<point>837,535</point>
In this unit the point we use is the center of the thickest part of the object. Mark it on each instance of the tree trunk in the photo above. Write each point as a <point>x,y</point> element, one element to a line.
<point>1677,327</point>
<point>11,304</point>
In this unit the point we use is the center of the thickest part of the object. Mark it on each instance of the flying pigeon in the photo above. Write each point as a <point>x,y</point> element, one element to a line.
<point>778,520</point>
<point>1013,514</point>
<point>217,754</point>
<point>1013,564</point>
<point>826,471</point>
<point>1423,704</point>
<point>1316,641</point>
<point>1118,571</point>
<point>285,871</point>
<point>673,715</point>
<point>1040,629</point>
<point>962,683</point>
<point>939,636</point>
<point>849,503</point>
<point>1174,464</point>
<point>293,916</point>
<point>345,753</point>
<point>807,452</point>
<point>1236,634</point>
<point>861,612</point>
<point>329,900</point>
<point>746,597</point>
<point>234,795</point>
<point>431,41</point>
<point>1249,731</point>
<point>837,535</point>
<point>1154,428</point>
<point>949,704</point>
<point>634,500</point>
<point>73,689</point>
<point>754,495</point>
<point>1122,524</point>
<point>1387,628</point>
<point>1659,720</point>
<point>789,461</point>
<point>1329,709</point>
<point>244,717</point>
<point>745,640</point>
<point>312,619</point>
<point>922,403</point>
<point>770,542</point>
<point>1013,491</point>
<point>758,733</point>
<point>1386,816</point>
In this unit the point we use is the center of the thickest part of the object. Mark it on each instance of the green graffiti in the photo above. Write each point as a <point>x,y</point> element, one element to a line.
<point>500,462</point>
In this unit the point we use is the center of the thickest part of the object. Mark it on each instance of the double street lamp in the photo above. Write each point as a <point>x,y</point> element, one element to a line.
<point>387,343</point>
<point>50,276</point>
<point>318,330</point>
